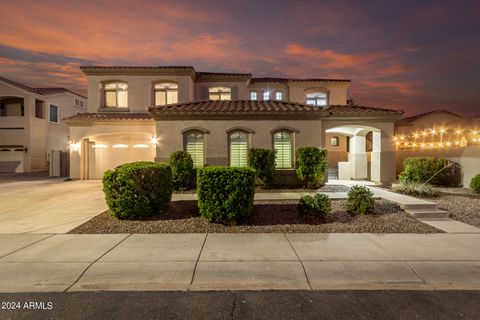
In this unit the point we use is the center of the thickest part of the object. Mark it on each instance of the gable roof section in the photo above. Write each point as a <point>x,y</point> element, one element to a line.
<point>410,119</point>
<point>40,91</point>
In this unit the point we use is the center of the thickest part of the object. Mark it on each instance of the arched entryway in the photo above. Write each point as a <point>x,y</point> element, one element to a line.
<point>360,152</point>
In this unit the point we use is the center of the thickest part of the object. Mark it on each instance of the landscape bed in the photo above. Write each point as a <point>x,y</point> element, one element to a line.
<point>462,205</point>
<point>266,217</point>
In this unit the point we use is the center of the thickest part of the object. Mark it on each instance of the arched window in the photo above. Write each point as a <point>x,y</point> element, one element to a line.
<point>238,145</point>
<point>317,98</point>
<point>334,141</point>
<point>283,144</point>
<point>166,93</point>
<point>253,95</point>
<point>194,144</point>
<point>116,95</point>
<point>279,95</point>
<point>219,93</point>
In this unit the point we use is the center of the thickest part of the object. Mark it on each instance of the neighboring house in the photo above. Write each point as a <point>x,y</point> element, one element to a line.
<point>440,133</point>
<point>146,113</point>
<point>31,124</point>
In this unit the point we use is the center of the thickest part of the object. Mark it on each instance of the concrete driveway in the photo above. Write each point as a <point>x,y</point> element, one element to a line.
<point>48,206</point>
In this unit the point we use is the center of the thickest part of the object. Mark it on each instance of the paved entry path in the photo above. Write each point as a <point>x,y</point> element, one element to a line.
<point>49,206</point>
<point>75,262</point>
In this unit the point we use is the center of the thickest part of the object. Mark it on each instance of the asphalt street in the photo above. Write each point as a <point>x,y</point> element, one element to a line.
<point>244,305</point>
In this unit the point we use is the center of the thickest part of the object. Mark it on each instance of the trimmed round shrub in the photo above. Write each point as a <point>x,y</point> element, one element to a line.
<point>360,200</point>
<point>316,206</point>
<point>311,166</point>
<point>225,194</point>
<point>182,170</point>
<point>263,162</point>
<point>419,169</point>
<point>475,184</point>
<point>137,190</point>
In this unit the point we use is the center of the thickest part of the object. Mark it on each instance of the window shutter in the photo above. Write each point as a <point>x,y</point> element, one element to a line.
<point>203,93</point>
<point>282,143</point>
<point>238,149</point>
<point>195,147</point>
<point>234,93</point>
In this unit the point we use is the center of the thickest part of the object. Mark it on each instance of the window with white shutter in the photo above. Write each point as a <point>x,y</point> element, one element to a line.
<point>195,146</point>
<point>238,148</point>
<point>282,143</point>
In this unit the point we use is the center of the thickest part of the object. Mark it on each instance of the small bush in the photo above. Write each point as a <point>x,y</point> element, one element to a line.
<point>263,162</point>
<point>475,184</point>
<point>137,190</point>
<point>360,200</point>
<point>311,166</point>
<point>416,189</point>
<point>182,170</point>
<point>225,194</point>
<point>319,205</point>
<point>422,169</point>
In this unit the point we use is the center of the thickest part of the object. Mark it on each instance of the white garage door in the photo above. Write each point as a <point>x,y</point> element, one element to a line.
<point>108,153</point>
<point>11,160</point>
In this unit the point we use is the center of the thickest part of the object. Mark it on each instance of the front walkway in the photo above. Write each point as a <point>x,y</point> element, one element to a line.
<point>72,262</point>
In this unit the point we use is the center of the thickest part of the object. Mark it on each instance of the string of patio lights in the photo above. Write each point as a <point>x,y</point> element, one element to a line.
<point>437,138</point>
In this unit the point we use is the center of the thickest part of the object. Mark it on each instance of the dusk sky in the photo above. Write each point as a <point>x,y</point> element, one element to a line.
<point>410,55</point>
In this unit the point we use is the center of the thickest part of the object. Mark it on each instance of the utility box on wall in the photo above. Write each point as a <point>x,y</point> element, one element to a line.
<point>59,164</point>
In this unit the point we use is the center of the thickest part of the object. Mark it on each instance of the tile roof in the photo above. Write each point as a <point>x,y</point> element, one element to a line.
<point>284,80</point>
<point>40,91</point>
<point>239,106</point>
<point>421,115</point>
<point>222,74</point>
<point>135,67</point>
<point>352,110</point>
<point>108,116</point>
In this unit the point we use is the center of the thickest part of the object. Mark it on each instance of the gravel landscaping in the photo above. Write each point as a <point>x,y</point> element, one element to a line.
<point>267,217</point>
<point>461,203</point>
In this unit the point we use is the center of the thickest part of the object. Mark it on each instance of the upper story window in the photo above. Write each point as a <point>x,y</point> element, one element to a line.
<point>166,93</point>
<point>53,113</point>
<point>194,144</point>
<point>317,99</point>
<point>219,93</point>
<point>283,144</point>
<point>279,95</point>
<point>12,107</point>
<point>253,95</point>
<point>238,145</point>
<point>266,95</point>
<point>116,95</point>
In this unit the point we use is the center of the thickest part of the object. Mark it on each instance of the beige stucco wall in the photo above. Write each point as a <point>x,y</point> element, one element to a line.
<point>467,157</point>
<point>337,93</point>
<point>241,88</point>
<point>336,153</point>
<point>216,141</point>
<point>140,89</point>
<point>437,120</point>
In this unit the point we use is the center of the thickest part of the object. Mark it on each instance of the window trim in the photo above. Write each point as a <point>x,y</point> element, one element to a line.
<point>229,144</point>
<point>276,95</point>
<point>104,94</point>
<point>154,91</point>
<point>337,139</point>
<point>219,93</point>
<point>256,95</point>
<point>318,90</point>
<point>50,105</point>
<point>185,134</point>
<point>269,95</point>
<point>292,146</point>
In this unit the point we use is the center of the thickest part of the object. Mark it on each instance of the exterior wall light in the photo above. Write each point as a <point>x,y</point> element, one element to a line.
<point>141,146</point>
<point>74,146</point>
<point>153,140</point>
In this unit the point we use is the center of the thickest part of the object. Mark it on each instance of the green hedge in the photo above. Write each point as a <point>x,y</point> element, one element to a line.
<point>360,200</point>
<point>137,190</point>
<point>421,169</point>
<point>475,184</point>
<point>182,170</point>
<point>263,162</point>
<point>319,205</point>
<point>225,194</point>
<point>311,166</point>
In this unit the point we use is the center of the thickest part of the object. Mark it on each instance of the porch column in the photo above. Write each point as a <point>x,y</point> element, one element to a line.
<point>383,158</point>
<point>358,157</point>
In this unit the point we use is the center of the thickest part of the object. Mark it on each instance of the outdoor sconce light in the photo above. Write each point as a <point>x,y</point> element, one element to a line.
<point>153,140</point>
<point>74,146</point>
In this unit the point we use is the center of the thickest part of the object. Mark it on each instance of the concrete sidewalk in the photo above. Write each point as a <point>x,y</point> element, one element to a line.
<point>70,262</point>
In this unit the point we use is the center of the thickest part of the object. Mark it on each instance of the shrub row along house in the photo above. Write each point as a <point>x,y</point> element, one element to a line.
<point>32,132</point>
<point>146,113</point>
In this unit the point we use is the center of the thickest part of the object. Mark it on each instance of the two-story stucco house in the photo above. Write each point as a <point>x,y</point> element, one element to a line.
<point>146,113</point>
<point>31,124</point>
